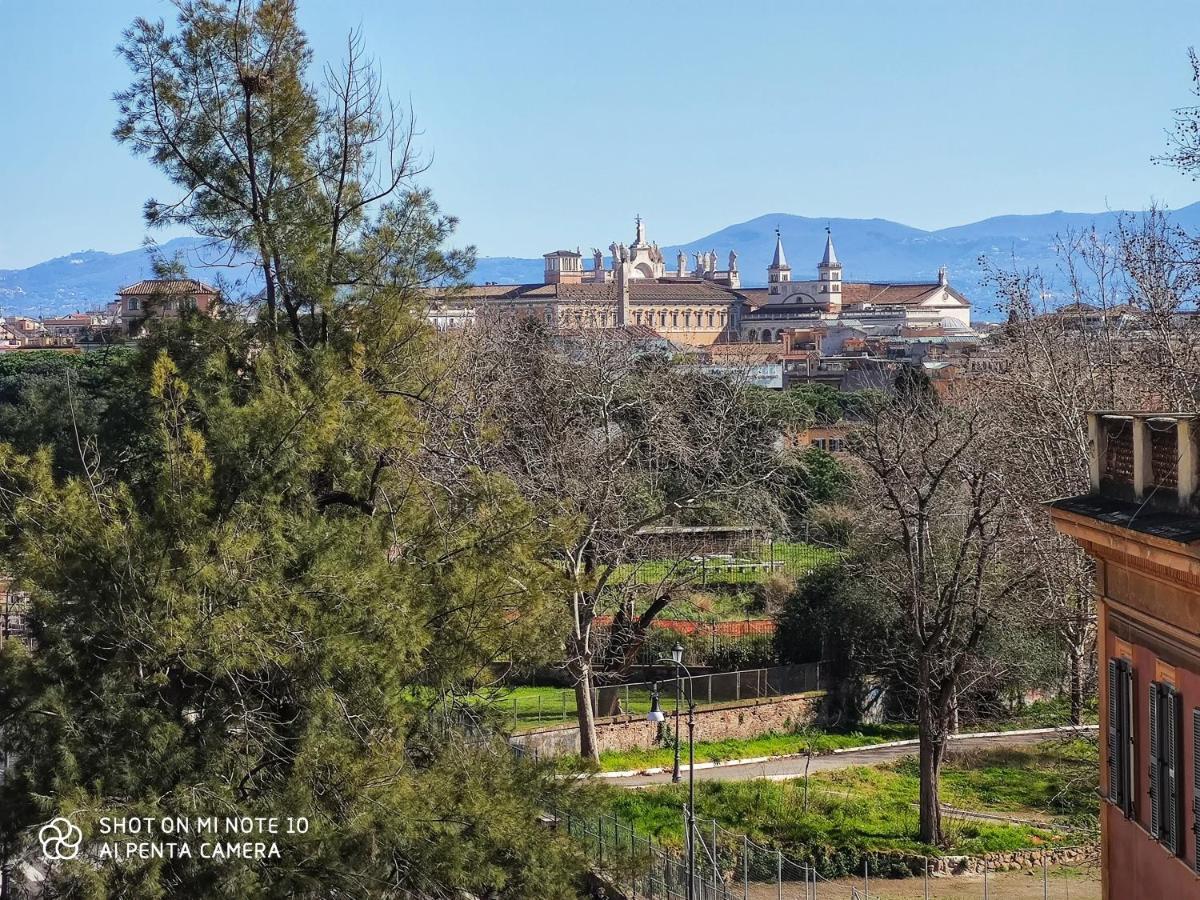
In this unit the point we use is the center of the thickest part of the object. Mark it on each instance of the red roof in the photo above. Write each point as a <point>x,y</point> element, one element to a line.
<point>157,287</point>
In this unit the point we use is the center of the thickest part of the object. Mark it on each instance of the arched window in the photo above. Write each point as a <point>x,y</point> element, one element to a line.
<point>687,319</point>
<point>662,320</point>
<point>674,320</point>
<point>637,317</point>
<point>710,319</point>
<point>752,335</point>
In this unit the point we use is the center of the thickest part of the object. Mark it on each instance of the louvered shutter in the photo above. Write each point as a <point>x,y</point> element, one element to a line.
<point>1170,740</point>
<point>1155,806</point>
<point>1196,782</point>
<point>1128,739</point>
<point>1114,732</point>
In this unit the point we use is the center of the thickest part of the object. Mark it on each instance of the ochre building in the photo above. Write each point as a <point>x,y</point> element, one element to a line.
<point>1141,524</point>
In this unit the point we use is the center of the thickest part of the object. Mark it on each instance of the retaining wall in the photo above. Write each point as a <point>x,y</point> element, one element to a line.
<point>749,718</point>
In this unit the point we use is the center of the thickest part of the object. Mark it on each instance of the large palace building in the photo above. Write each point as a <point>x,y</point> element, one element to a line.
<point>703,305</point>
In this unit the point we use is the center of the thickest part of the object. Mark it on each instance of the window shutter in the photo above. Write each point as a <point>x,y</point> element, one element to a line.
<point>1171,739</point>
<point>1114,733</point>
<point>1129,739</point>
<point>1196,783</point>
<point>1155,805</point>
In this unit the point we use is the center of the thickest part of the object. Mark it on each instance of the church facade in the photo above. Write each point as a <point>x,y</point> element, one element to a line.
<point>700,304</point>
<point>832,305</point>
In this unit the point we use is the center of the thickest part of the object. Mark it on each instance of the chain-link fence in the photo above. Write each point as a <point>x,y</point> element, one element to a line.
<point>731,866</point>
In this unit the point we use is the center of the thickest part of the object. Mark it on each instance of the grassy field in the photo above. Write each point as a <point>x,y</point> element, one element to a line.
<point>815,741</point>
<point>528,707</point>
<point>747,567</point>
<point>866,809</point>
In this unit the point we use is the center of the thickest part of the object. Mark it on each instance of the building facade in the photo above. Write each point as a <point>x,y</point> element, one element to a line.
<point>697,304</point>
<point>1141,524</point>
<point>868,307</point>
<point>163,298</point>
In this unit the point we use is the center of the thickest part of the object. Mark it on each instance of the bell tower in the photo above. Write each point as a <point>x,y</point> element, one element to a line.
<point>779,272</point>
<point>829,275</point>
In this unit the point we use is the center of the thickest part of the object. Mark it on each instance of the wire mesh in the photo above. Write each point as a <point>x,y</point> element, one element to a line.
<point>732,866</point>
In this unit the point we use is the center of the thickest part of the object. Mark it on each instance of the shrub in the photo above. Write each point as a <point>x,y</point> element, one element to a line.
<point>831,524</point>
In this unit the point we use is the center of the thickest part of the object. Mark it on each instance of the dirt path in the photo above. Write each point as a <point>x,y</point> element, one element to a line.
<point>1026,885</point>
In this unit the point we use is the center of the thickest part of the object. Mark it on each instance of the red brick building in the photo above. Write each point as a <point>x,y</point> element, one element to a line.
<point>1141,524</point>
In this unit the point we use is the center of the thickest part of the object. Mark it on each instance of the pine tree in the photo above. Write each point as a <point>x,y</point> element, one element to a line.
<point>252,604</point>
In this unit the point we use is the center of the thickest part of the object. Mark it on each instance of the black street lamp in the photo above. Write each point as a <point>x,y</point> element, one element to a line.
<point>677,658</point>
<point>656,715</point>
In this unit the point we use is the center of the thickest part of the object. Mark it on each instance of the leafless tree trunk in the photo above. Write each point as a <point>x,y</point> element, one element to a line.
<point>606,437</point>
<point>933,526</point>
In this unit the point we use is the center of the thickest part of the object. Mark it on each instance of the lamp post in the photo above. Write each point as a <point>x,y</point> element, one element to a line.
<point>656,715</point>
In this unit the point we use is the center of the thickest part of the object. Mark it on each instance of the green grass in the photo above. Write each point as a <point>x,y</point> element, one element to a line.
<point>815,741</point>
<point>869,809</point>
<point>751,566</point>
<point>528,707</point>
<point>1042,714</point>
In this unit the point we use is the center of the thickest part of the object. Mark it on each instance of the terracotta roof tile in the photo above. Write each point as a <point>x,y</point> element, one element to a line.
<point>163,286</point>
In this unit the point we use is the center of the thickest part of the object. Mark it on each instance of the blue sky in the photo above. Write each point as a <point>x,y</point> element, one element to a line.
<point>552,123</point>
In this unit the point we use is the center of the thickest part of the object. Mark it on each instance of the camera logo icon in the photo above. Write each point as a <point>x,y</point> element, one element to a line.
<point>60,839</point>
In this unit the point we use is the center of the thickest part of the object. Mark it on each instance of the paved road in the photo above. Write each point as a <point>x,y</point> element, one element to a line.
<point>793,766</point>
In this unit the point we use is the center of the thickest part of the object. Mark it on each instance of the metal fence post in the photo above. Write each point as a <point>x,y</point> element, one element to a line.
<point>985,884</point>
<point>866,880</point>
<point>927,878</point>
<point>779,872</point>
<point>539,709</point>
<point>564,705</point>
<point>745,868</point>
<point>710,688</point>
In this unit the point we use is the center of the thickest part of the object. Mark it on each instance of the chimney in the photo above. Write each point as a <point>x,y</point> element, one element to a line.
<point>1145,456</point>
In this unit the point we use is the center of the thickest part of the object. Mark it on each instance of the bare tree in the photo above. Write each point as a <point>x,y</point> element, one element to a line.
<point>933,533</point>
<point>1113,328</point>
<point>607,437</point>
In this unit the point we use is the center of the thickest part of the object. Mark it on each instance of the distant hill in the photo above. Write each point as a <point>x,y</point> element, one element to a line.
<point>89,279</point>
<point>869,249</point>
<point>877,249</point>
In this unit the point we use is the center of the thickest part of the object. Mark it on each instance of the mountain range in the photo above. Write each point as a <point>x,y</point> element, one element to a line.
<point>869,249</point>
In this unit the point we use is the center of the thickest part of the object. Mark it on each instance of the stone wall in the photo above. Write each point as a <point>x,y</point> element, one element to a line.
<point>1014,860</point>
<point>750,718</point>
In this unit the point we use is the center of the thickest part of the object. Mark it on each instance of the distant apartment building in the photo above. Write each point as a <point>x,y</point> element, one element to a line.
<point>76,326</point>
<point>1140,522</point>
<point>24,333</point>
<point>163,299</point>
